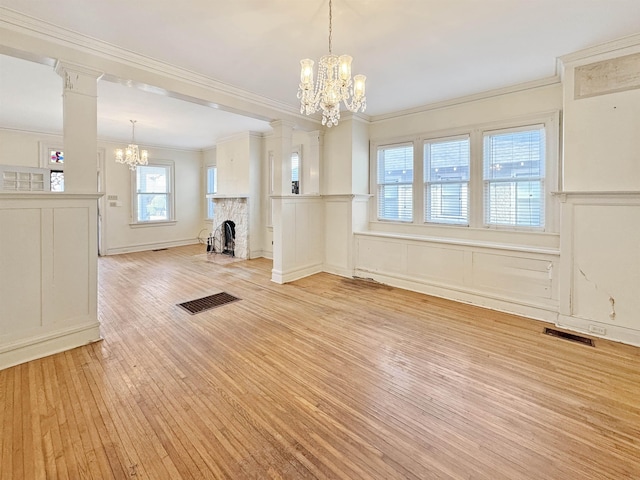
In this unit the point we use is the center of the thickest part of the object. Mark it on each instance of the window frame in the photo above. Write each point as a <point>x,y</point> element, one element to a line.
<point>169,165</point>
<point>296,150</point>
<point>417,173</point>
<point>540,178</point>
<point>550,120</point>
<point>208,191</point>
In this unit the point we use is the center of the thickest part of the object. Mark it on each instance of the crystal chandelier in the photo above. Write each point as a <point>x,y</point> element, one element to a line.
<point>131,155</point>
<point>332,86</point>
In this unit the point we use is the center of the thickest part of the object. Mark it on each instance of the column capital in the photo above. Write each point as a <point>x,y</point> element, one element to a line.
<point>282,125</point>
<point>78,78</point>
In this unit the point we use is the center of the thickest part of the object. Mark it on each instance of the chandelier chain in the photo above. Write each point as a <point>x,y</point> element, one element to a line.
<point>330,26</point>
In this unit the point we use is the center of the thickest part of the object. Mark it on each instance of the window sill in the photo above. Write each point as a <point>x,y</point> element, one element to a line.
<point>462,242</point>
<point>163,223</point>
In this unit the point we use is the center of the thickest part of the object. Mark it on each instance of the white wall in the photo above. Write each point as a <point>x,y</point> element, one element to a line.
<point>600,268</point>
<point>188,193</point>
<point>23,149</point>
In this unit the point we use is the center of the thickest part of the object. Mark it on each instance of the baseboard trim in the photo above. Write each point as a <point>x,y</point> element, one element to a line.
<point>613,332</point>
<point>296,274</point>
<point>143,247</point>
<point>22,351</point>
<point>544,313</point>
<point>336,270</point>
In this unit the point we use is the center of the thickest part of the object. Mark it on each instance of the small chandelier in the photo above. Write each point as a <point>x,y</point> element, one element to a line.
<point>132,156</point>
<point>333,85</point>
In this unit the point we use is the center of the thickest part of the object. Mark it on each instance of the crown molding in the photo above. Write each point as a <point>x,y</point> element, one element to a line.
<point>629,41</point>
<point>24,24</point>
<point>520,87</point>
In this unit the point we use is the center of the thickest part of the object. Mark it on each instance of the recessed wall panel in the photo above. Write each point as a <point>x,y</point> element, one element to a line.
<point>70,263</point>
<point>20,271</point>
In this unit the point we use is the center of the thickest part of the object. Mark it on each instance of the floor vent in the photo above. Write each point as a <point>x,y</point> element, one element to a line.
<point>568,336</point>
<point>206,303</point>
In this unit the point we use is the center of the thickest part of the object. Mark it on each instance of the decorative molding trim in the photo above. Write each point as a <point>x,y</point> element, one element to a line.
<point>611,75</point>
<point>602,48</point>
<point>44,345</point>
<point>347,197</point>
<point>543,82</point>
<point>47,31</point>
<point>143,247</point>
<point>296,274</point>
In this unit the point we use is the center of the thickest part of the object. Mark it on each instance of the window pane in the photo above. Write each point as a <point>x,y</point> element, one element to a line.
<point>212,181</point>
<point>212,188</point>
<point>447,203</point>
<point>395,164</point>
<point>152,179</point>
<point>153,200</point>
<point>446,175</point>
<point>295,173</point>
<point>515,203</point>
<point>152,207</point>
<point>514,155</point>
<point>295,163</point>
<point>395,177</point>
<point>446,161</point>
<point>56,156</point>
<point>395,202</point>
<point>57,181</point>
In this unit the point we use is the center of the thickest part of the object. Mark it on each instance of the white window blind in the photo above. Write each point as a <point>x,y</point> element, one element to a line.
<point>514,163</point>
<point>395,182</point>
<point>153,187</point>
<point>446,181</point>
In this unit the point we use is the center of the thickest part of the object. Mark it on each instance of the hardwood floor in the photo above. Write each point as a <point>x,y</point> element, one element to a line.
<point>326,377</point>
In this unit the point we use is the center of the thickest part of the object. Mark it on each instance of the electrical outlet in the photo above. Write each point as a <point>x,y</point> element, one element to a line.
<point>598,330</point>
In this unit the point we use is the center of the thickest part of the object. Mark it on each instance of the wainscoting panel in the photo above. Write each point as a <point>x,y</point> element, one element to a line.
<point>513,275</point>
<point>517,280</point>
<point>20,287</point>
<point>600,270</point>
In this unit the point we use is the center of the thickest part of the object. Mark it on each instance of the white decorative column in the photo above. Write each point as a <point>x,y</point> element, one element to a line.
<point>80,127</point>
<point>282,134</point>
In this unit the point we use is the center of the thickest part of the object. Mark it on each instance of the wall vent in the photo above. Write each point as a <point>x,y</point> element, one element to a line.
<point>569,336</point>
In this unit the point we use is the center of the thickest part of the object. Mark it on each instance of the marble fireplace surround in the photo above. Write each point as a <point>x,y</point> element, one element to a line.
<point>234,208</point>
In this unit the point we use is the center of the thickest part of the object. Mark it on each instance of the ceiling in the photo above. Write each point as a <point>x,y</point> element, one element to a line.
<point>414,52</point>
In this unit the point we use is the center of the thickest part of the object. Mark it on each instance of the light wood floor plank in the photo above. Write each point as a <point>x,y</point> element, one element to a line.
<point>323,378</point>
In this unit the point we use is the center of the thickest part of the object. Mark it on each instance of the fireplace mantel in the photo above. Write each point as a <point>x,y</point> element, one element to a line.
<point>228,195</point>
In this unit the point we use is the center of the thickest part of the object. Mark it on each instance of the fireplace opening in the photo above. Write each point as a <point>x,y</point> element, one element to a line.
<point>223,239</point>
